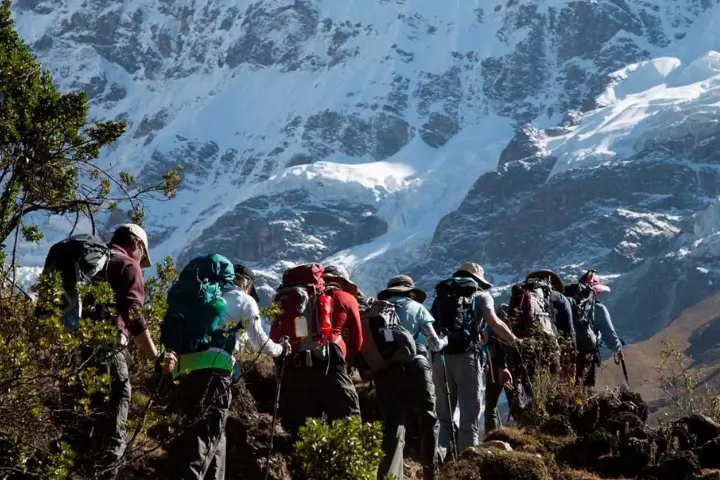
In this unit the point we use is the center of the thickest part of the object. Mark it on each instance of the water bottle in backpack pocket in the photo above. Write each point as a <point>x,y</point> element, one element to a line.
<point>305,314</point>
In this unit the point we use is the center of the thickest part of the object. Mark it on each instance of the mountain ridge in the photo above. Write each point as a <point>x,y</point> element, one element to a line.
<point>397,137</point>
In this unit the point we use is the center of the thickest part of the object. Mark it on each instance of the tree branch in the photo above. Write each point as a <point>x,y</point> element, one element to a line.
<point>71,205</point>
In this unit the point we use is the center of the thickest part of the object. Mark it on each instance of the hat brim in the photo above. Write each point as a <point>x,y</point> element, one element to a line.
<point>600,288</point>
<point>388,293</point>
<point>346,284</point>
<point>555,280</point>
<point>145,262</point>
<point>253,291</point>
<point>481,281</point>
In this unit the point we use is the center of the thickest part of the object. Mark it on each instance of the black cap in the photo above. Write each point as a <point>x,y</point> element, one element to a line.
<point>247,272</point>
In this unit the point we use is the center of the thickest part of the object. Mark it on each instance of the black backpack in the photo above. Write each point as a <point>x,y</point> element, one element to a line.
<point>454,313</point>
<point>79,260</point>
<point>385,341</point>
<point>583,308</point>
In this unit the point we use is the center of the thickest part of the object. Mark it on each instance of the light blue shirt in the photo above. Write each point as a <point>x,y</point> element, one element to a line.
<point>604,324</point>
<point>418,321</point>
<point>413,315</point>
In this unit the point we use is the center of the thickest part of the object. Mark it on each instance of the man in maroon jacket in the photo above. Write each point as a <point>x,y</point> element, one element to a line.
<point>129,255</point>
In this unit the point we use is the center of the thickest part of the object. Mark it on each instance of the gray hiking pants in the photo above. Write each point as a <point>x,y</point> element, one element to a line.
<point>464,378</point>
<point>199,452</point>
<point>109,421</point>
<point>99,439</point>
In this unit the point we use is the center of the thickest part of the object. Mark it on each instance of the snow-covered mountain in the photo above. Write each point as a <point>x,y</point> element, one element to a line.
<point>411,135</point>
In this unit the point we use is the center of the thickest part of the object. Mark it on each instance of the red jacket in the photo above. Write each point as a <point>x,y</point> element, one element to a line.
<point>346,316</point>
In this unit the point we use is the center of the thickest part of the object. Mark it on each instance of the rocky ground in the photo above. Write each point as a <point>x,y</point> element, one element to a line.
<point>601,436</point>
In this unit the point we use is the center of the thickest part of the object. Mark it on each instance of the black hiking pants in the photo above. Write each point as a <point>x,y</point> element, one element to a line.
<point>198,453</point>
<point>586,369</point>
<point>402,389</point>
<point>493,390</point>
<point>309,392</point>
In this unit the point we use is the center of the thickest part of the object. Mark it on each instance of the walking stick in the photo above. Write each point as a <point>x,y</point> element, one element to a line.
<point>622,362</point>
<point>450,412</point>
<point>624,368</point>
<point>276,406</point>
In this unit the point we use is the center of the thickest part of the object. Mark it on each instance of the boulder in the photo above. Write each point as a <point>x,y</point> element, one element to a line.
<point>496,465</point>
<point>557,425</point>
<point>694,431</point>
<point>497,445</point>
<point>683,466</point>
<point>709,454</point>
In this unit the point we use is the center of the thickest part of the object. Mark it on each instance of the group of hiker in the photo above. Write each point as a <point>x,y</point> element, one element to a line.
<point>428,362</point>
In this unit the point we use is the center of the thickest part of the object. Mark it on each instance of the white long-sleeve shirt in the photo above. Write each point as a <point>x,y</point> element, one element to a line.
<point>241,307</point>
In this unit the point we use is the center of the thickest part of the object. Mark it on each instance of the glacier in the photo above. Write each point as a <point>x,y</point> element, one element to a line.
<point>352,132</point>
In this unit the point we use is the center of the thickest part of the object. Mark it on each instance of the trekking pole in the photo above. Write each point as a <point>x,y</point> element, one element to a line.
<point>622,362</point>
<point>276,406</point>
<point>450,412</point>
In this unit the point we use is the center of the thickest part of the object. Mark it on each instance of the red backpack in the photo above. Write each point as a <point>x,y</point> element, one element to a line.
<point>305,311</point>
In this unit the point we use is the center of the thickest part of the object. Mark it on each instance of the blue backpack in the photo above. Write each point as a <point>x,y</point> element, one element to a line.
<point>195,307</point>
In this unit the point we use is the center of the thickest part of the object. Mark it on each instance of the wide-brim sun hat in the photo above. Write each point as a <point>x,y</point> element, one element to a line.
<point>401,285</point>
<point>555,281</point>
<point>475,271</point>
<point>338,274</point>
<point>138,231</point>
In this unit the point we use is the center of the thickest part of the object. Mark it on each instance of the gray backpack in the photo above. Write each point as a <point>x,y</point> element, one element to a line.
<point>385,341</point>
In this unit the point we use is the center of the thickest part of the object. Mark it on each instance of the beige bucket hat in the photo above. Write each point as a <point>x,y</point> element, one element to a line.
<point>339,275</point>
<point>475,271</point>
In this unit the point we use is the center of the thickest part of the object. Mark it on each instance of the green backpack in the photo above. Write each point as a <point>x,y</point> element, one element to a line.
<point>196,307</point>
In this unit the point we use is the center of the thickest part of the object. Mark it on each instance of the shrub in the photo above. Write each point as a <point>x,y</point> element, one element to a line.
<point>347,448</point>
<point>682,386</point>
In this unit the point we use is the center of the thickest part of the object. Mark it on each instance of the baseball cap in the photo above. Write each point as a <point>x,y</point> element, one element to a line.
<point>138,231</point>
<point>247,272</point>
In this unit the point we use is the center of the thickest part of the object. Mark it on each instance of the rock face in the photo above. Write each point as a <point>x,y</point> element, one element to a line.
<point>397,137</point>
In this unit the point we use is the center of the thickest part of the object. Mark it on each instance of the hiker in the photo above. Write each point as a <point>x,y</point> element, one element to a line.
<point>337,282</point>
<point>409,387</point>
<point>462,304</point>
<point>601,323</point>
<point>129,255</point>
<point>200,344</point>
<point>562,314</point>
<point>498,377</point>
<point>537,311</point>
<point>315,379</point>
<point>88,260</point>
<point>242,307</point>
<point>408,299</point>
